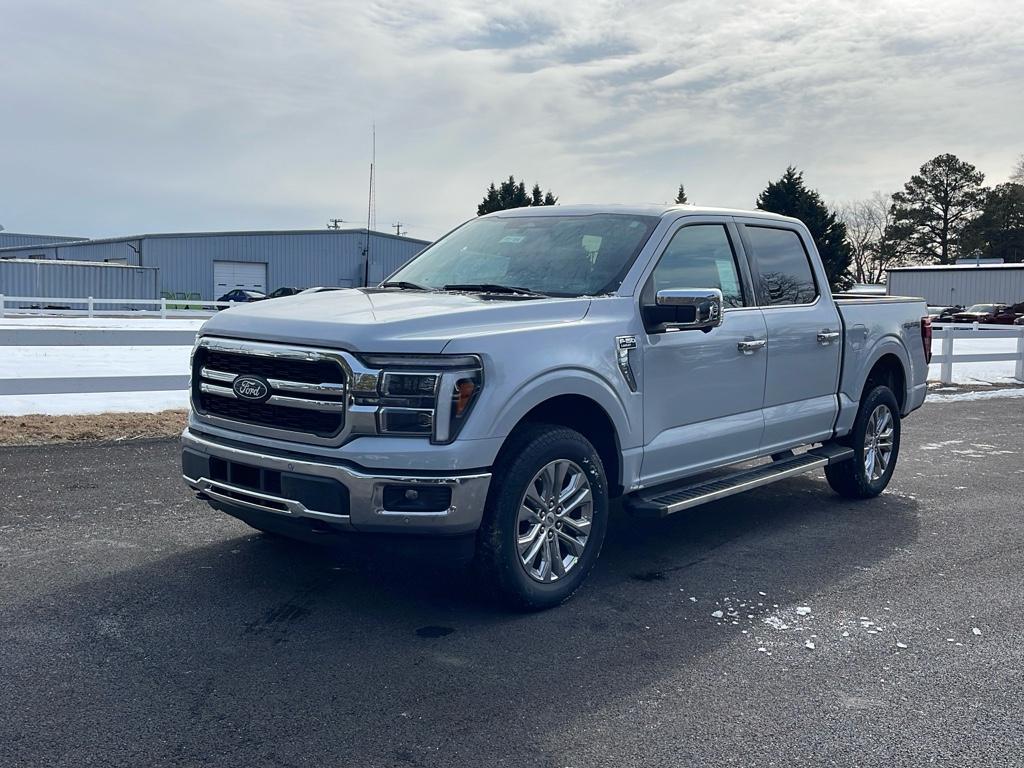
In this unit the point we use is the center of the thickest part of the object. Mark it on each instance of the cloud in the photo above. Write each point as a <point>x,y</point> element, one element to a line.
<point>125,117</point>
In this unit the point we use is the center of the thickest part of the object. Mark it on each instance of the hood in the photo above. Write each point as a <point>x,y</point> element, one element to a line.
<point>372,320</point>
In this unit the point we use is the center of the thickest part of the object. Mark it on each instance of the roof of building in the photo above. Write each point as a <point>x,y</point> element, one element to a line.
<point>35,234</point>
<point>239,233</point>
<point>947,267</point>
<point>71,262</point>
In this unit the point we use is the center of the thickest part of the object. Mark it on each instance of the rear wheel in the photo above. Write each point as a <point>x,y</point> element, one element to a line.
<point>875,439</point>
<point>546,516</point>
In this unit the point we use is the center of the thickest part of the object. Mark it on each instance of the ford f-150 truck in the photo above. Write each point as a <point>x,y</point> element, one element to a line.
<point>501,388</point>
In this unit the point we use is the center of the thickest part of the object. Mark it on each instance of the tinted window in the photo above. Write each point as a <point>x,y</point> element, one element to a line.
<point>701,256</point>
<point>785,271</point>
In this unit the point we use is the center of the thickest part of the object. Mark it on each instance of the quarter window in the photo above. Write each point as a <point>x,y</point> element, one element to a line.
<point>701,256</point>
<point>784,270</point>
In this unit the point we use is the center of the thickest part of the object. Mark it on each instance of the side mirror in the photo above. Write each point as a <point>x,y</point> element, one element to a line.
<point>685,309</point>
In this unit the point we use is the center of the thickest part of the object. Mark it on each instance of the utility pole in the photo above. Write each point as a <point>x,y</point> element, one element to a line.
<point>335,223</point>
<point>398,228</point>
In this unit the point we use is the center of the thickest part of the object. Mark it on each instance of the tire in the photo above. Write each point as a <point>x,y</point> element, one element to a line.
<point>860,477</point>
<point>536,457</point>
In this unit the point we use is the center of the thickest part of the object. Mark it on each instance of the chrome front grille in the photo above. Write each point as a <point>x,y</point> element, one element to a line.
<point>295,393</point>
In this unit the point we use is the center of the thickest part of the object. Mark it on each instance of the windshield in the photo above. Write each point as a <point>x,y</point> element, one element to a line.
<point>554,255</point>
<point>983,308</point>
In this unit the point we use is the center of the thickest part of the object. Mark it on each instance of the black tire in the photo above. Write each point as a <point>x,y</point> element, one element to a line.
<point>529,450</point>
<point>850,478</point>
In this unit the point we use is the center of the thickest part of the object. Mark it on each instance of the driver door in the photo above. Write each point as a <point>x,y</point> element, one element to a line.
<point>703,389</point>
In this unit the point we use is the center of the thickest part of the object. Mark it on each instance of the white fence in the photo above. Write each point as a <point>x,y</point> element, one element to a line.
<point>29,336</point>
<point>89,307</point>
<point>947,334</point>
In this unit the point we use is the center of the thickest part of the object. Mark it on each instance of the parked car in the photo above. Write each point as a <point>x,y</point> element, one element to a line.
<point>284,291</point>
<point>243,296</point>
<point>980,313</point>
<point>943,314</point>
<point>1009,315</point>
<point>496,392</point>
<point>1019,320</point>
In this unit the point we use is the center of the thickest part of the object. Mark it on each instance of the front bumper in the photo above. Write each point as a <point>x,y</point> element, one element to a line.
<point>298,487</point>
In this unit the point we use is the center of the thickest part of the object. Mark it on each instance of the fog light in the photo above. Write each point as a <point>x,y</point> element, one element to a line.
<point>420,498</point>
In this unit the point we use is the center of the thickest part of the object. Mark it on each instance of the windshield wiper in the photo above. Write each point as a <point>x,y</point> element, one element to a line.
<point>405,285</point>
<point>492,288</point>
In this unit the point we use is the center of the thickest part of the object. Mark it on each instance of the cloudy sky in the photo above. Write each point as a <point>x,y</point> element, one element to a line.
<point>121,117</point>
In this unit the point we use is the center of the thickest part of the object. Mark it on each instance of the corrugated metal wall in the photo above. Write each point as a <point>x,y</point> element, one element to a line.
<point>301,259</point>
<point>295,260</point>
<point>960,285</point>
<point>12,239</point>
<point>60,279</point>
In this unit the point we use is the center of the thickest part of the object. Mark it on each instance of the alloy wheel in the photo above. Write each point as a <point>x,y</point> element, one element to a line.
<point>878,442</point>
<point>554,521</point>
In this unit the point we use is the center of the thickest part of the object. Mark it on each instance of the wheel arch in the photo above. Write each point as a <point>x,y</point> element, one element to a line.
<point>584,414</point>
<point>888,368</point>
<point>888,364</point>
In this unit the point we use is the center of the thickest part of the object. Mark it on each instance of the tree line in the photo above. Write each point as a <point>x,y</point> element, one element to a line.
<point>944,212</point>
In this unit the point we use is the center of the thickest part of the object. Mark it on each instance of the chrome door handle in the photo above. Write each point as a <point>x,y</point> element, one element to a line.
<point>826,337</point>
<point>750,346</point>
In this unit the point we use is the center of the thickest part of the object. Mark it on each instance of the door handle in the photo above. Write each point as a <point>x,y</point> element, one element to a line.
<point>827,336</point>
<point>750,346</point>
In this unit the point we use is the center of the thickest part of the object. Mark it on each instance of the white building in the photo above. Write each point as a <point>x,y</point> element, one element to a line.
<point>963,284</point>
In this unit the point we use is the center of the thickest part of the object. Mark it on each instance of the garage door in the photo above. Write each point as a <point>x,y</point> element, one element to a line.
<point>229,275</point>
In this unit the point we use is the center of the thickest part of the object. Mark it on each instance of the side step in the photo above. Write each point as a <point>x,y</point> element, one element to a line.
<point>659,502</point>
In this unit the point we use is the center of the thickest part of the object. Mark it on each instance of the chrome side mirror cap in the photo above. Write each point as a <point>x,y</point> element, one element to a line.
<point>686,309</point>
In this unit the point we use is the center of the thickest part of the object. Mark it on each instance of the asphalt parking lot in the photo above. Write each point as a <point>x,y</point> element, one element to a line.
<point>138,627</point>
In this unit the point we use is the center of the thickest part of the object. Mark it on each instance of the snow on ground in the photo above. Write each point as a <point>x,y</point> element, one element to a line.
<point>39,362</point>
<point>98,402</point>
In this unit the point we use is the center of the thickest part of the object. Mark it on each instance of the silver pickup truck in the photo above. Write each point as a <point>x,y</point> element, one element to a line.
<point>498,391</point>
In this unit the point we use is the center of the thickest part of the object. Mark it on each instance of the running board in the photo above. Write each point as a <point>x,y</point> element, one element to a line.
<point>659,502</point>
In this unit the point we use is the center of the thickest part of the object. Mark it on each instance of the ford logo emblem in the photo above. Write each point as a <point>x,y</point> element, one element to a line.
<point>251,388</point>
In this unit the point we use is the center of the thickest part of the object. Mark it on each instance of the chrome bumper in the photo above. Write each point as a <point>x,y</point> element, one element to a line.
<point>366,492</point>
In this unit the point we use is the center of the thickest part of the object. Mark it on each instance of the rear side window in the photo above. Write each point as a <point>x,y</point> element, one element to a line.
<point>700,256</point>
<point>785,275</point>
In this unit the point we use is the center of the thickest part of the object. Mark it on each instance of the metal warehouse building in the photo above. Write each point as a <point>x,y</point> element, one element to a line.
<point>207,265</point>
<point>963,284</point>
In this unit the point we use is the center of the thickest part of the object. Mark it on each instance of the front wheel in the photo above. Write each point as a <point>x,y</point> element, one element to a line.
<point>875,439</point>
<point>546,516</point>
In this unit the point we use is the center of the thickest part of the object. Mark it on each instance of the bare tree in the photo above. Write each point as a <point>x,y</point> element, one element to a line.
<point>1017,177</point>
<point>869,232</point>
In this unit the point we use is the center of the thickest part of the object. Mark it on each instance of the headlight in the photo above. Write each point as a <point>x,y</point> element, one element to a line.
<point>426,395</point>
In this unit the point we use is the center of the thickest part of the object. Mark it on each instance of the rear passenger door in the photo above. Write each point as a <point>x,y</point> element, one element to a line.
<point>804,335</point>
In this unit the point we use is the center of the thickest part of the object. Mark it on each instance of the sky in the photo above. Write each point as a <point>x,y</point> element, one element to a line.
<point>124,117</point>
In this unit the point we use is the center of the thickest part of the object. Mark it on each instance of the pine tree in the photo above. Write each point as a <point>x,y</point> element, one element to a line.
<point>998,232</point>
<point>681,198</point>
<point>790,197</point>
<point>513,194</point>
<point>934,207</point>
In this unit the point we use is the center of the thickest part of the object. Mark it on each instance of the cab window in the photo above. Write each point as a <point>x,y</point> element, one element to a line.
<point>701,256</point>
<point>783,267</point>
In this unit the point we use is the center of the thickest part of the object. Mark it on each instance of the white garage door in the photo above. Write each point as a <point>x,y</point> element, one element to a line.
<point>229,275</point>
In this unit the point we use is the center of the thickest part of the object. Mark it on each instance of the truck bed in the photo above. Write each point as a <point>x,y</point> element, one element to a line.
<point>874,326</point>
